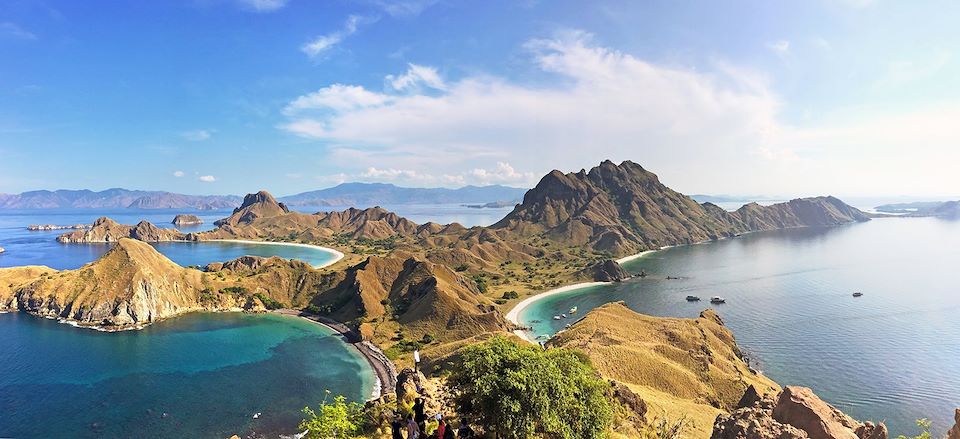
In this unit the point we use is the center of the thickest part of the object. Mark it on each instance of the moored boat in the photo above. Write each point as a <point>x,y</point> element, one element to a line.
<point>573,310</point>
<point>717,299</point>
<point>857,294</point>
<point>693,298</point>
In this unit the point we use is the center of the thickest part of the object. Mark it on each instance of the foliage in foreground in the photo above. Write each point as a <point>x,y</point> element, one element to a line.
<point>518,391</point>
<point>924,425</point>
<point>337,419</point>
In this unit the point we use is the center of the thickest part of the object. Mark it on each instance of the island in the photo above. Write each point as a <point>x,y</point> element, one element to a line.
<point>443,290</point>
<point>186,220</point>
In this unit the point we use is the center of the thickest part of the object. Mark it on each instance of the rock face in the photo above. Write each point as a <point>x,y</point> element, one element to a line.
<point>954,432</point>
<point>107,230</point>
<point>796,413</point>
<point>186,220</point>
<point>254,206</point>
<point>130,285</point>
<point>624,209</point>
<point>606,271</point>
<point>680,367</point>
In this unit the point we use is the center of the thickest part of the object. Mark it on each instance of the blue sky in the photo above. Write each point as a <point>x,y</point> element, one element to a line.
<point>849,97</point>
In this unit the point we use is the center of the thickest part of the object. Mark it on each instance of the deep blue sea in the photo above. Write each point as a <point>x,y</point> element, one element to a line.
<point>196,376</point>
<point>891,355</point>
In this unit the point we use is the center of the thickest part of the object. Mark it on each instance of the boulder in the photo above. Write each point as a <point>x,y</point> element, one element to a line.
<point>606,271</point>
<point>954,432</point>
<point>796,413</point>
<point>799,407</point>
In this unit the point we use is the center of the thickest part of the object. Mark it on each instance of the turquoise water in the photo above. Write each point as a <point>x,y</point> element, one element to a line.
<point>26,247</point>
<point>209,373</point>
<point>891,355</point>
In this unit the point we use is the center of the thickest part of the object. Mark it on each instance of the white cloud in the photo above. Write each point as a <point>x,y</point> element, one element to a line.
<point>416,77</point>
<point>902,72</point>
<point>12,30</point>
<point>780,47</point>
<point>197,135</point>
<point>692,127</point>
<point>337,97</point>
<point>503,174</point>
<point>403,8</point>
<point>323,43</point>
<point>262,5</point>
<point>207,178</point>
<point>178,174</point>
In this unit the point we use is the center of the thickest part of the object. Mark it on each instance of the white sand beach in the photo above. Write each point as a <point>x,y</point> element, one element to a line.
<point>337,255</point>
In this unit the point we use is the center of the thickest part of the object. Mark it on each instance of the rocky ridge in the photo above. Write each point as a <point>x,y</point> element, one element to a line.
<point>107,230</point>
<point>795,413</point>
<point>186,220</point>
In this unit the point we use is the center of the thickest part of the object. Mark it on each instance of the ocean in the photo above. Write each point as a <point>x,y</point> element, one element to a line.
<point>891,355</point>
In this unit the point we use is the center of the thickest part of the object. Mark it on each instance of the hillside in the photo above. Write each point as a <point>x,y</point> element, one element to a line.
<point>679,367</point>
<point>362,195</point>
<point>425,298</point>
<point>623,209</point>
<point>114,198</point>
<point>130,285</point>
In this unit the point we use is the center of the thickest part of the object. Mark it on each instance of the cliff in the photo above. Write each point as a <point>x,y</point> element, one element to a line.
<point>107,230</point>
<point>605,271</point>
<point>679,367</point>
<point>130,285</point>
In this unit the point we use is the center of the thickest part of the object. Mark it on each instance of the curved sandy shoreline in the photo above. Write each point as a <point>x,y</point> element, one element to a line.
<point>337,254</point>
<point>514,315</point>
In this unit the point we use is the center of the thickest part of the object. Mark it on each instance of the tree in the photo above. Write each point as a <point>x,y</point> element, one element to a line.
<point>924,425</point>
<point>518,391</point>
<point>334,420</point>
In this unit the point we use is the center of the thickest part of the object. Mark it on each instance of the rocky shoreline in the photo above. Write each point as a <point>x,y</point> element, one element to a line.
<point>383,368</point>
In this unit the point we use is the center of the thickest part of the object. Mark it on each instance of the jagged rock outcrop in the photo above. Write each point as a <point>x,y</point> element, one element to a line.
<point>107,230</point>
<point>954,432</point>
<point>795,413</point>
<point>623,209</point>
<point>679,367</point>
<point>423,296</point>
<point>254,206</point>
<point>186,220</point>
<point>131,285</point>
<point>605,271</point>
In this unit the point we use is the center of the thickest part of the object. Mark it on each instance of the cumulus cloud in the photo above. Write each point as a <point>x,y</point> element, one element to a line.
<point>197,135</point>
<point>207,178</point>
<point>178,174</point>
<point>503,174</point>
<point>415,78</point>
<point>690,126</point>
<point>262,5</point>
<point>320,45</point>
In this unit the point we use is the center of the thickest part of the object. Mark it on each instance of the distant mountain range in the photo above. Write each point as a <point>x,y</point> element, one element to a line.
<point>346,194</point>
<point>701,198</point>
<point>372,194</point>
<point>941,209</point>
<point>115,198</point>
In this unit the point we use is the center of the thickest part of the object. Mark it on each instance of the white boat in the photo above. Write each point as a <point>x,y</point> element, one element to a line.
<point>573,310</point>
<point>556,317</point>
<point>563,315</point>
<point>717,299</point>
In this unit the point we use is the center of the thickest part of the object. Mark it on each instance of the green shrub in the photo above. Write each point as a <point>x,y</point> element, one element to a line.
<point>520,392</point>
<point>510,295</point>
<point>269,303</point>
<point>338,419</point>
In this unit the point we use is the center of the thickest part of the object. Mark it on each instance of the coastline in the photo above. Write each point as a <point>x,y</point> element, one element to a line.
<point>336,253</point>
<point>513,316</point>
<point>384,372</point>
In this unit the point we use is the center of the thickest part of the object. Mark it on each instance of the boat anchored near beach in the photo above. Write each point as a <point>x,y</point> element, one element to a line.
<point>857,294</point>
<point>573,310</point>
<point>717,299</point>
<point>693,298</point>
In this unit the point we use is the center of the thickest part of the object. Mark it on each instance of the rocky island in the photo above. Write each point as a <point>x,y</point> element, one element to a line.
<point>186,220</point>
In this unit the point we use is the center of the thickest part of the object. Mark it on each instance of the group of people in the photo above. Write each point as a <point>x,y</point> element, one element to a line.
<point>415,424</point>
